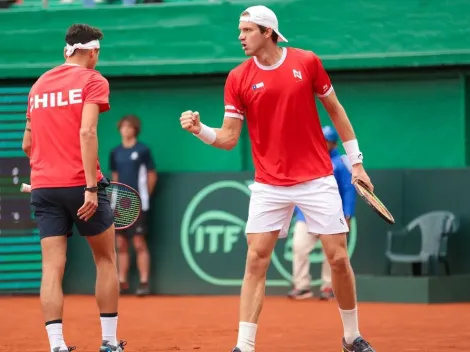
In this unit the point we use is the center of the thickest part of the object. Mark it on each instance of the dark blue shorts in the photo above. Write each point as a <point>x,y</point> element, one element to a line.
<point>55,211</point>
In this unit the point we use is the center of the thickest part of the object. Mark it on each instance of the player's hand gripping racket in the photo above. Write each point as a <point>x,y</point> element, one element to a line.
<point>125,202</point>
<point>373,201</point>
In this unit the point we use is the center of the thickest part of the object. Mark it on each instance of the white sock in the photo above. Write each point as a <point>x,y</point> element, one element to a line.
<point>56,338</point>
<point>109,328</point>
<point>246,336</point>
<point>350,325</point>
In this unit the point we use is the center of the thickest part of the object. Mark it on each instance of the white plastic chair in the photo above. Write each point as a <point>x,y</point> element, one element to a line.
<point>435,228</point>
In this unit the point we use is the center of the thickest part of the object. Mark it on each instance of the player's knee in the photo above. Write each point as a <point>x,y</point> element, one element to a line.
<point>54,254</point>
<point>104,254</point>
<point>339,260</point>
<point>257,261</point>
<point>53,266</point>
<point>105,258</point>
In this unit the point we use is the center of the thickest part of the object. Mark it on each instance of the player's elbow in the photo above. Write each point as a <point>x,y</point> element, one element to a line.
<point>227,137</point>
<point>230,145</point>
<point>26,148</point>
<point>231,141</point>
<point>26,145</point>
<point>88,133</point>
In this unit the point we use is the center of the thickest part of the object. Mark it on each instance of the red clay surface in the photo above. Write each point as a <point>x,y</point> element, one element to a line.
<point>210,324</point>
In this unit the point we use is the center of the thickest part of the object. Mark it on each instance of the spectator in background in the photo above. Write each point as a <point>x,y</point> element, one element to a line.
<point>304,243</point>
<point>131,163</point>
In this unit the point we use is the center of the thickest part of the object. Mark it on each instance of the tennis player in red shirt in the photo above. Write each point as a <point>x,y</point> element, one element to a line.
<point>67,184</point>
<point>275,91</point>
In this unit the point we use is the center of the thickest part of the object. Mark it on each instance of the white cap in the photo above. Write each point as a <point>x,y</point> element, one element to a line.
<point>265,17</point>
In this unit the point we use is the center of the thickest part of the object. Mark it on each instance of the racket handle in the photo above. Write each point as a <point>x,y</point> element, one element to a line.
<point>25,188</point>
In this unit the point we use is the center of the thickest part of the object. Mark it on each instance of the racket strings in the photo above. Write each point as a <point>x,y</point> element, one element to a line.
<point>125,203</point>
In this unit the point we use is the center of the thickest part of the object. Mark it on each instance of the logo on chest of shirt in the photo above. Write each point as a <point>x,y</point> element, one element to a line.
<point>134,155</point>
<point>297,75</point>
<point>258,86</point>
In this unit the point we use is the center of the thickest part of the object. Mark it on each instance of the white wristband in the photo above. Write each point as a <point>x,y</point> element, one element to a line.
<point>352,150</point>
<point>207,134</point>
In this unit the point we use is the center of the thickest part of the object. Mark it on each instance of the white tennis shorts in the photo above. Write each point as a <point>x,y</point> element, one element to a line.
<point>271,207</point>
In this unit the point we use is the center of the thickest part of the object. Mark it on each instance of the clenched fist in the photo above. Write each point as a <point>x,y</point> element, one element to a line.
<point>190,121</point>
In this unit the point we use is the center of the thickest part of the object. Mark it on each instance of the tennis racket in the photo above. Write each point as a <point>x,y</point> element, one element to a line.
<point>125,202</point>
<point>374,202</point>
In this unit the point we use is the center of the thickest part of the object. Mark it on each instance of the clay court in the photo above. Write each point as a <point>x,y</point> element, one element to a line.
<point>210,324</point>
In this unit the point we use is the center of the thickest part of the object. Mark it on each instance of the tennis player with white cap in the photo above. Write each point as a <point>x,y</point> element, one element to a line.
<point>275,91</point>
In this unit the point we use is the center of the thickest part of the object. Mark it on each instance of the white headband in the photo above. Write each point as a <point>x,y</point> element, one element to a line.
<point>94,44</point>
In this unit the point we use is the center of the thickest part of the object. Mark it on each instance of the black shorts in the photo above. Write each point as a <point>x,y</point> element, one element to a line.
<point>139,228</point>
<point>55,211</point>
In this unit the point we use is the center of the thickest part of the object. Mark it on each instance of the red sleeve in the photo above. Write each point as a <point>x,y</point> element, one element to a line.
<point>321,81</point>
<point>232,101</point>
<point>96,91</point>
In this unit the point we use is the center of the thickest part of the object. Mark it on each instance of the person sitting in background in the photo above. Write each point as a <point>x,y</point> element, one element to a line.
<point>131,163</point>
<point>304,243</point>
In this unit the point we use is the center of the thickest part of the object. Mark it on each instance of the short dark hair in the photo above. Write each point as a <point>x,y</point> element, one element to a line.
<point>82,33</point>
<point>274,35</point>
<point>133,120</point>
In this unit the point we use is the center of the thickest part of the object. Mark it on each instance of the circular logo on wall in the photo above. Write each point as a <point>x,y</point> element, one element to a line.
<point>213,237</point>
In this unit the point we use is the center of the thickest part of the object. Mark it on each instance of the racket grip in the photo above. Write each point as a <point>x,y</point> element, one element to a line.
<point>25,188</point>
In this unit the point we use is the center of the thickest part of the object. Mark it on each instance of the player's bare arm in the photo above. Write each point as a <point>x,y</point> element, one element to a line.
<point>338,117</point>
<point>27,138</point>
<point>89,142</point>
<point>89,148</point>
<point>225,137</point>
<point>114,176</point>
<point>345,130</point>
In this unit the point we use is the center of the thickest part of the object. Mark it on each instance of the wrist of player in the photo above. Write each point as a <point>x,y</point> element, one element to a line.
<point>198,129</point>
<point>206,134</point>
<point>91,184</point>
<point>353,152</point>
<point>91,188</point>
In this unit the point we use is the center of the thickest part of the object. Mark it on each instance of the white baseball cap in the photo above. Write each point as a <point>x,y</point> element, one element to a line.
<point>265,17</point>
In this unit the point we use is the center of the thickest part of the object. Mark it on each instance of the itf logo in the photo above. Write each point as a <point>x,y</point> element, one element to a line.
<point>213,238</point>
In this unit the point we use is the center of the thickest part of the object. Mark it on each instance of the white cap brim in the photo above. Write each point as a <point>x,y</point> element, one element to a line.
<point>281,37</point>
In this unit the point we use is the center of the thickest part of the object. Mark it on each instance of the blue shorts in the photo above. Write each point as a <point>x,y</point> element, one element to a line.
<point>55,211</point>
